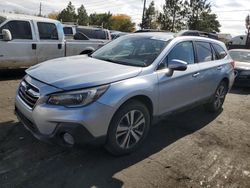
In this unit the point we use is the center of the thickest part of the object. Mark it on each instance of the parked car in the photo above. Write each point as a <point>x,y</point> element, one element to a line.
<point>242,66</point>
<point>117,34</point>
<point>94,32</point>
<point>114,95</point>
<point>198,33</point>
<point>28,40</point>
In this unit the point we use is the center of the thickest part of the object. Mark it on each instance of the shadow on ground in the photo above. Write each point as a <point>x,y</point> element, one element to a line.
<point>12,74</point>
<point>26,162</point>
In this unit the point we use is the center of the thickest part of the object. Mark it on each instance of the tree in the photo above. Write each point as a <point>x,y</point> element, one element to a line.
<point>200,16</point>
<point>122,22</point>
<point>68,14</point>
<point>150,18</point>
<point>172,18</point>
<point>82,16</point>
<point>103,19</point>
<point>53,15</point>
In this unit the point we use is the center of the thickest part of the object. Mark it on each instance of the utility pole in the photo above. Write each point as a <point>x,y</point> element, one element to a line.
<point>40,10</point>
<point>143,13</point>
<point>248,31</point>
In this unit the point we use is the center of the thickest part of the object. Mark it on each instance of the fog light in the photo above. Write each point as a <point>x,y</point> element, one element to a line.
<point>68,138</point>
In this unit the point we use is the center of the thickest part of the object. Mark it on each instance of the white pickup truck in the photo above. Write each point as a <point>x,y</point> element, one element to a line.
<point>28,40</point>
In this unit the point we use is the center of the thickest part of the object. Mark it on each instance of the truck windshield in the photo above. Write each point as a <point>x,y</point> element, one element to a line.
<point>132,50</point>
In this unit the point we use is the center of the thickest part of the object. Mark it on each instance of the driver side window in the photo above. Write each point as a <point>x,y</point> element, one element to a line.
<point>183,51</point>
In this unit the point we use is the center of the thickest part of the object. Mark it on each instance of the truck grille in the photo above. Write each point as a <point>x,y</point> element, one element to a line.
<point>28,93</point>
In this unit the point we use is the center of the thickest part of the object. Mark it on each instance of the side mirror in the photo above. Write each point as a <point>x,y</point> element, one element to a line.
<point>6,35</point>
<point>176,64</point>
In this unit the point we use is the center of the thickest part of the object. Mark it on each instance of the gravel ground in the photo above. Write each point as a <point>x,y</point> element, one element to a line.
<point>189,149</point>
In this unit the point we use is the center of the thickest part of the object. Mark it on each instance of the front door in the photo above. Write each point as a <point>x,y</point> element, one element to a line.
<point>181,88</point>
<point>18,52</point>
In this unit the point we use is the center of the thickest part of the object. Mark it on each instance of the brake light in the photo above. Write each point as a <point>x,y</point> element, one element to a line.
<point>232,63</point>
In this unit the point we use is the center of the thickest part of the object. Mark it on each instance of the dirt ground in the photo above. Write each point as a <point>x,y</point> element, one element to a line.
<point>190,149</point>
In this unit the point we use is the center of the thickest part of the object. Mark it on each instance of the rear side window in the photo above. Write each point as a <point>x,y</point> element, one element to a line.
<point>204,52</point>
<point>18,29</point>
<point>47,31</point>
<point>221,53</point>
<point>183,51</point>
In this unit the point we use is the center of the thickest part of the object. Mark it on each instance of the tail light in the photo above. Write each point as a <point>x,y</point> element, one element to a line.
<point>232,63</point>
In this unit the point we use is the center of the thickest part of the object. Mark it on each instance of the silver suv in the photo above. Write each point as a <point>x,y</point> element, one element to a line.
<point>114,95</point>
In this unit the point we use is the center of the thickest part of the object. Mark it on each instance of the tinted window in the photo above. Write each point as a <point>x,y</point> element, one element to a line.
<point>204,52</point>
<point>183,51</point>
<point>47,31</point>
<point>221,53</point>
<point>68,31</point>
<point>93,33</point>
<point>18,29</point>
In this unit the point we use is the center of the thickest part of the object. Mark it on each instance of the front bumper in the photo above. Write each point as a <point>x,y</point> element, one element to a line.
<point>49,122</point>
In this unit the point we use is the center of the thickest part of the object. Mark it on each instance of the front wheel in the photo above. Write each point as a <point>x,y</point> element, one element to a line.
<point>218,98</point>
<point>128,129</point>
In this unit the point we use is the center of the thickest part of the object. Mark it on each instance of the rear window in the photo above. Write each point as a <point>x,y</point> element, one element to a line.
<point>68,31</point>
<point>204,52</point>
<point>47,31</point>
<point>93,33</point>
<point>221,53</point>
<point>18,29</point>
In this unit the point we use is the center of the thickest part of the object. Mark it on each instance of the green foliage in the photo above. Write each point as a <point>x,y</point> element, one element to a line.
<point>172,18</point>
<point>103,19</point>
<point>68,14</point>
<point>150,18</point>
<point>200,17</point>
<point>122,22</point>
<point>82,16</point>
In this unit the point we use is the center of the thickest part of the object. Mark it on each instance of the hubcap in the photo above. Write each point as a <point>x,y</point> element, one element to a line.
<point>219,97</point>
<point>130,129</point>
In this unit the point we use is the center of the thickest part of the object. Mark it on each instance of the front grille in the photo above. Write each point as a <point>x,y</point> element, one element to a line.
<point>28,93</point>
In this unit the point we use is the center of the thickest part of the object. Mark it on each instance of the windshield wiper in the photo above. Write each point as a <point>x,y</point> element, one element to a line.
<point>121,62</point>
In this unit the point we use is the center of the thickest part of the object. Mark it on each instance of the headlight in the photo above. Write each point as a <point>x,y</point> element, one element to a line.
<point>77,98</point>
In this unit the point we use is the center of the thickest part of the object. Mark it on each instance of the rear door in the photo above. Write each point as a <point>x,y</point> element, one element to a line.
<point>211,67</point>
<point>182,88</point>
<point>18,52</point>
<point>50,44</point>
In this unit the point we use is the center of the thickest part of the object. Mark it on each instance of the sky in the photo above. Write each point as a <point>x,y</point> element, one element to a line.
<point>231,13</point>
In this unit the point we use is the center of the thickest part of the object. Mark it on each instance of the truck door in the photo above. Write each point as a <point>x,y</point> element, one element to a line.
<point>51,43</point>
<point>18,52</point>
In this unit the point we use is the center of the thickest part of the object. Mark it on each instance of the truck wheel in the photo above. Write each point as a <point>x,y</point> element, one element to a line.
<point>218,98</point>
<point>128,129</point>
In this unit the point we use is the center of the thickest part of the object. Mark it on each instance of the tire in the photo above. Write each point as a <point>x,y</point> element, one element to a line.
<point>124,137</point>
<point>216,102</point>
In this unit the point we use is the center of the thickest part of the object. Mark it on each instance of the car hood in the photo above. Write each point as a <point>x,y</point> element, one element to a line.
<point>80,72</point>
<point>242,65</point>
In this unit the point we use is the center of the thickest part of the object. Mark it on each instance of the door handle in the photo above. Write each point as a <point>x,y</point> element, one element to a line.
<point>196,74</point>
<point>59,46</point>
<point>219,67</point>
<point>33,46</point>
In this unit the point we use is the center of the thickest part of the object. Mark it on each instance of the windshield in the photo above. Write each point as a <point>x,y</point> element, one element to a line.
<point>242,56</point>
<point>132,50</point>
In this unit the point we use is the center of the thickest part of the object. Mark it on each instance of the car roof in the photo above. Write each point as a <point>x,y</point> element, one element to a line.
<point>25,17</point>
<point>168,36</point>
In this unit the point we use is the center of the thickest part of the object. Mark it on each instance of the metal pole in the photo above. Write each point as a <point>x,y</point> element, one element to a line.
<point>40,10</point>
<point>143,13</point>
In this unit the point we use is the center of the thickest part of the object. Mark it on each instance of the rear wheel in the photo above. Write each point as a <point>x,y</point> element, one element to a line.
<point>218,98</point>
<point>128,129</point>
